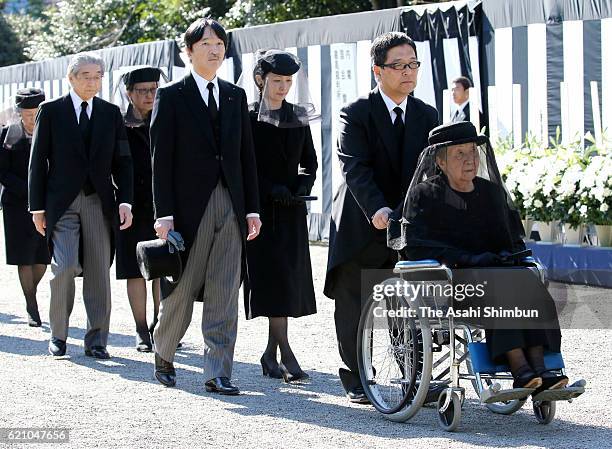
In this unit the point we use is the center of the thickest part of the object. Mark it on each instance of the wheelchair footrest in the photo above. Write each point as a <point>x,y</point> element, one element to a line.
<point>560,394</point>
<point>492,394</point>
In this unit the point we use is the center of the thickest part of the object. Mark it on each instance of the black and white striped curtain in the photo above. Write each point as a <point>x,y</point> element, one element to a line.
<point>548,67</point>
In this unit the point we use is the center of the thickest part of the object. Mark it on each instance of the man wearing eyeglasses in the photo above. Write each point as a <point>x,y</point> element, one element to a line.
<point>80,191</point>
<point>380,139</point>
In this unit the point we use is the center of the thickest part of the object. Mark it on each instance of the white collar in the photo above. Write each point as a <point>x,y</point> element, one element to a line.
<point>462,105</point>
<point>391,105</point>
<point>203,82</point>
<point>76,101</point>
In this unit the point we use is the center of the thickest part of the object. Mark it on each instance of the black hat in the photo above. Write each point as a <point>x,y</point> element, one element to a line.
<point>279,62</point>
<point>142,75</point>
<point>29,98</point>
<point>155,260</point>
<point>455,134</point>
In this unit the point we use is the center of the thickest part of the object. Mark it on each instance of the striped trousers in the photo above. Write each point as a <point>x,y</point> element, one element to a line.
<point>214,263</point>
<point>82,223</point>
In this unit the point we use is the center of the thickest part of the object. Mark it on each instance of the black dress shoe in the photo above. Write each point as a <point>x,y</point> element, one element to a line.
<point>97,352</point>
<point>221,385</point>
<point>57,347</point>
<point>357,396</point>
<point>164,372</point>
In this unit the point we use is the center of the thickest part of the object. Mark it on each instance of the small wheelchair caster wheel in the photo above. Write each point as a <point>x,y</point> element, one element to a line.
<point>544,411</point>
<point>449,410</point>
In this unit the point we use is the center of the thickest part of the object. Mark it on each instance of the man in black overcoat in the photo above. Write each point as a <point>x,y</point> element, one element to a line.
<point>380,139</point>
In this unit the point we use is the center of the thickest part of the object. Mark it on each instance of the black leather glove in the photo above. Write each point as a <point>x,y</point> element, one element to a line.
<point>483,260</point>
<point>281,194</point>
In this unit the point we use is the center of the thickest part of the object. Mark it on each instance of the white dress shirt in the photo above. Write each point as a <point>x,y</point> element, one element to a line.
<point>459,114</point>
<point>76,103</point>
<point>391,105</point>
<point>202,84</point>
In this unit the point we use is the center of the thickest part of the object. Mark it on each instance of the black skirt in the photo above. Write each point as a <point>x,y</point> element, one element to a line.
<point>280,274</point>
<point>24,245</point>
<point>141,230</point>
<point>506,289</point>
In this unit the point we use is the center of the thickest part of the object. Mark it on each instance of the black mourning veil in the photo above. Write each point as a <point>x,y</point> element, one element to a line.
<point>297,109</point>
<point>437,216</point>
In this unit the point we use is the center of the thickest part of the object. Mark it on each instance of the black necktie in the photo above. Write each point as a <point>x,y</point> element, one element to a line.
<point>398,125</point>
<point>398,128</point>
<point>212,104</point>
<point>84,120</point>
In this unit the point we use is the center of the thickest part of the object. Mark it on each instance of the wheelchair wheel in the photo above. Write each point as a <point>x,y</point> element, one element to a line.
<point>544,411</point>
<point>501,408</point>
<point>449,415</point>
<point>394,356</point>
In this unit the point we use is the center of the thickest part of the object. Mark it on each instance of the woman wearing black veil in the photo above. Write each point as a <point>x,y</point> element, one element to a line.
<point>458,212</point>
<point>136,92</point>
<point>280,281</point>
<point>25,247</point>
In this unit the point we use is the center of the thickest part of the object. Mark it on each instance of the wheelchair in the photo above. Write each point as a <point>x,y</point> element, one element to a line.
<point>403,350</point>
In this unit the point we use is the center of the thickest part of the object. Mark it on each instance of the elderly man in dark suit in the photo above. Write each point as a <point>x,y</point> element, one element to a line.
<point>205,187</point>
<point>80,191</point>
<point>380,139</point>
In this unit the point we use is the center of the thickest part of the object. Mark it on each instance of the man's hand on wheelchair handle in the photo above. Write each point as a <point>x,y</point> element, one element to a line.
<point>380,220</point>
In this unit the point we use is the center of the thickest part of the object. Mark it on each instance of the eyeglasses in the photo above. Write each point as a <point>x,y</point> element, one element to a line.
<point>143,92</point>
<point>402,67</point>
<point>96,78</point>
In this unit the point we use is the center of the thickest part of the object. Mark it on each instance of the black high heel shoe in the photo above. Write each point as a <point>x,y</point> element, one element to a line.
<point>271,371</point>
<point>289,377</point>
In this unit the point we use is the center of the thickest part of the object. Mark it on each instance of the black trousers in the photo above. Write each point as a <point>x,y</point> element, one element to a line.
<point>350,298</point>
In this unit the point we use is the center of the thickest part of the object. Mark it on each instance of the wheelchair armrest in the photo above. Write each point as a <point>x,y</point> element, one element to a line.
<point>404,266</point>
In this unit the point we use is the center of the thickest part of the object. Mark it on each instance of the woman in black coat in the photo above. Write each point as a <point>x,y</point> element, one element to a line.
<point>458,212</point>
<point>280,277</point>
<point>25,247</point>
<point>139,86</point>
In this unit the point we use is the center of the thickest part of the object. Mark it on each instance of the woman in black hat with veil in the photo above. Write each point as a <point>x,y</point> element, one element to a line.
<point>137,90</point>
<point>280,277</point>
<point>25,247</point>
<point>458,212</point>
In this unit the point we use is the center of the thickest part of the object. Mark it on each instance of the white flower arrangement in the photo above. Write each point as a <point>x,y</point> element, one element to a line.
<point>563,182</point>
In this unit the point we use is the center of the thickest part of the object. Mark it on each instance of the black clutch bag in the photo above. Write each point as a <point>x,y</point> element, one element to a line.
<point>160,258</point>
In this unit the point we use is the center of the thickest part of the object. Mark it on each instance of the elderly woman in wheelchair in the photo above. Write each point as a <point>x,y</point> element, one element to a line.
<point>460,226</point>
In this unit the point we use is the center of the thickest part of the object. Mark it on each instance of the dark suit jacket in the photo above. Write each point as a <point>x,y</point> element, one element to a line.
<point>185,155</point>
<point>59,163</point>
<point>14,171</point>
<point>373,177</point>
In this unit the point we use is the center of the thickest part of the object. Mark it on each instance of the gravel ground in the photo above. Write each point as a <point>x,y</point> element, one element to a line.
<point>117,403</point>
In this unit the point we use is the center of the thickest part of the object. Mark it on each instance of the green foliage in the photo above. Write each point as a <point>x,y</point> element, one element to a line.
<point>258,12</point>
<point>11,49</point>
<point>71,26</point>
